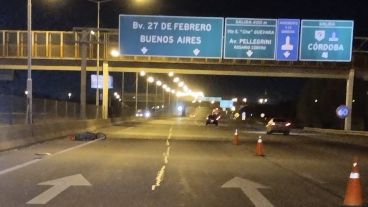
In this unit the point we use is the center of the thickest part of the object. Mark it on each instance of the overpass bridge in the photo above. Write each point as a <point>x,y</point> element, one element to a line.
<point>61,50</point>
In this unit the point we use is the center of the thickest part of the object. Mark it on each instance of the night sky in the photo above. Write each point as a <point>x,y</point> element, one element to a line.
<point>66,14</point>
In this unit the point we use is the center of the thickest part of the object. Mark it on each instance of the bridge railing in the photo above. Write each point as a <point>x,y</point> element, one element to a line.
<point>66,45</point>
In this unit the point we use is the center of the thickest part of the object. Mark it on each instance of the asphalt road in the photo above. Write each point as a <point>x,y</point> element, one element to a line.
<point>181,162</point>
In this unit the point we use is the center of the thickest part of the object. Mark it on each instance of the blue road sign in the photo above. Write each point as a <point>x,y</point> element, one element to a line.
<point>250,38</point>
<point>171,36</point>
<point>226,104</point>
<point>209,99</point>
<point>342,111</point>
<point>326,40</point>
<point>287,39</point>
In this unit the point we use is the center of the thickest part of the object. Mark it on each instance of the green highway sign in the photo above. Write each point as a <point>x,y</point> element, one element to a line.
<point>326,40</point>
<point>250,38</point>
<point>171,36</point>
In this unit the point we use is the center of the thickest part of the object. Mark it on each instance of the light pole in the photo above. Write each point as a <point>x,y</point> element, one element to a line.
<point>142,73</point>
<point>149,80</point>
<point>98,2</point>
<point>136,92</point>
<point>29,117</point>
<point>146,95</point>
<point>158,83</point>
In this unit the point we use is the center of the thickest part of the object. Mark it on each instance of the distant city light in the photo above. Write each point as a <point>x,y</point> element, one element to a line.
<point>142,73</point>
<point>234,99</point>
<point>171,74</point>
<point>159,83</point>
<point>245,100</point>
<point>315,100</point>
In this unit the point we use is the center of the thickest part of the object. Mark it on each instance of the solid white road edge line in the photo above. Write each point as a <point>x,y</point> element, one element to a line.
<point>17,167</point>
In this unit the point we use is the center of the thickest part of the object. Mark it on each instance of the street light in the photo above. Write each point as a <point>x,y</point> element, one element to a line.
<point>29,54</point>
<point>176,79</point>
<point>114,53</point>
<point>149,80</point>
<point>29,116</point>
<point>98,2</point>
<point>69,95</point>
<point>158,83</point>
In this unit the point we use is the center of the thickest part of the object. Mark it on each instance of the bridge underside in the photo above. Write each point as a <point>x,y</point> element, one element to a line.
<point>281,70</point>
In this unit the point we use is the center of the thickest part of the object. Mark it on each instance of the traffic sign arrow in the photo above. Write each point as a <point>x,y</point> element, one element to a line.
<point>287,54</point>
<point>196,52</point>
<point>250,189</point>
<point>144,50</point>
<point>249,53</point>
<point>59,185</point>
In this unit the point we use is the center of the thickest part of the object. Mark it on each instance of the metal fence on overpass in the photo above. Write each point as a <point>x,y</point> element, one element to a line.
<point>65,45</point>
<point>13,108</point>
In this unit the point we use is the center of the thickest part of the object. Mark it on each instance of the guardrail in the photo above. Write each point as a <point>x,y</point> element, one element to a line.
<point>336,131</point>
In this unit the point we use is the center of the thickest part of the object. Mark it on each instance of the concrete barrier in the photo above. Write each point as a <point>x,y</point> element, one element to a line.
<point>15,136</point>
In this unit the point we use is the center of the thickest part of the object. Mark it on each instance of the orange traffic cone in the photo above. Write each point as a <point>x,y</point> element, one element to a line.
<point>259,148</point>
<point>353,195</point>
<point>236,138</point>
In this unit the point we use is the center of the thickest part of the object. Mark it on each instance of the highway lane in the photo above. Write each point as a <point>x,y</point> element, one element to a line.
<point>181,162</point>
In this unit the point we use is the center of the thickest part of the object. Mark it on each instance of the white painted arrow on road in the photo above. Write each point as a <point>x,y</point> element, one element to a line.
<point>250,189</point>
<point>59,185</point>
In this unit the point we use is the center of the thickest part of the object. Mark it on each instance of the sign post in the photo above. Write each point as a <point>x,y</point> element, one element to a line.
<point>171,36</point>
<point>250,38</point>
<point>326,40</point>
